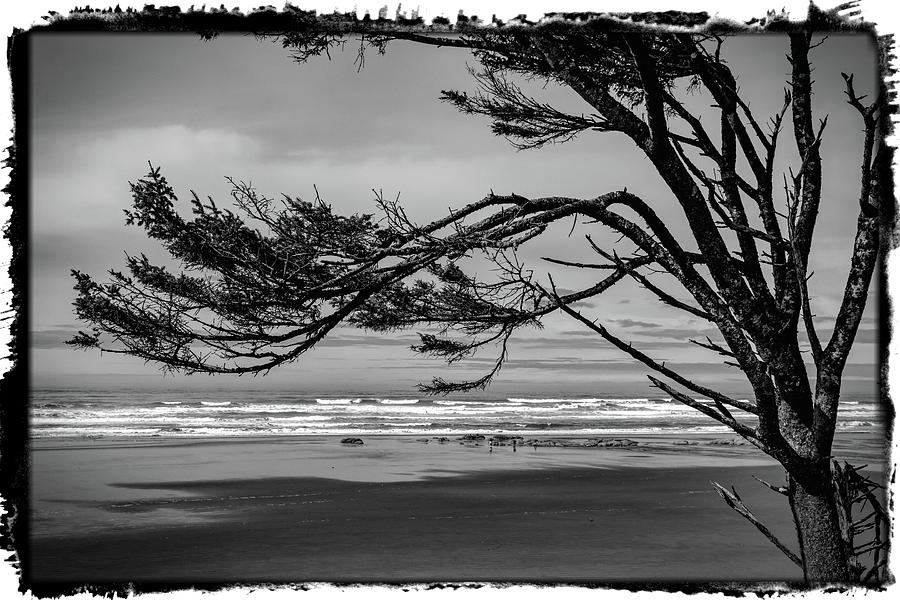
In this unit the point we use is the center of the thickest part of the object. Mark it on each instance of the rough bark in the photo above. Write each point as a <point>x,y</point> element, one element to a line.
<point>815,513</point>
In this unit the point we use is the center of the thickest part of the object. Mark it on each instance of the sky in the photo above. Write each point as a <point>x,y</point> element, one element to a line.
<point>103,106</point>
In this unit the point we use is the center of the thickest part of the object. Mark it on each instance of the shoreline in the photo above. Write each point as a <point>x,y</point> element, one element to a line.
<point>851,446</point>
<point>111,441</point>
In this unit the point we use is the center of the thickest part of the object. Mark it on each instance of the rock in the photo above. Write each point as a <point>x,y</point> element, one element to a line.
<point>354,441</point>
<point>506,440</point>
<point>442,440</point>
<point>570,443</point>
<point>471,437</point>
<point>551,443</point>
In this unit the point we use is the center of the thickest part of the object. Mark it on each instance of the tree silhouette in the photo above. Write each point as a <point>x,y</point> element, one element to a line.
<point>267,280</point>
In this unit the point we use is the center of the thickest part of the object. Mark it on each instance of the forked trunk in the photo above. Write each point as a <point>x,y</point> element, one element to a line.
<point>822,548</point>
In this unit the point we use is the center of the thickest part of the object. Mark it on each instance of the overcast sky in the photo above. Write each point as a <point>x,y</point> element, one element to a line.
<point>105,105</point>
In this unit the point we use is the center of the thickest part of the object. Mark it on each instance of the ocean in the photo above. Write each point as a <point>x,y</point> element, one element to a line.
<point>117,413</point>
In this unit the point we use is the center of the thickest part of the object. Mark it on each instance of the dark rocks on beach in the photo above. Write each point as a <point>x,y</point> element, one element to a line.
<point>686,443</point>
<point>543,443</point>
<point>546,443</point>
<point>575,443</point>
<point>611,443</point>
<point>506,440</point>
<point>733,442</point>
<point>355,441</point>
<point>618,443</point>
<point>441,440</point>
<point>472,437</point>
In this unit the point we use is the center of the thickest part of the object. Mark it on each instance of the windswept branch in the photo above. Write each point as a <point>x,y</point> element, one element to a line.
<point>266,296</point>
<point>519,117</point>
<point>720,413</point>
<point>634,352</point>
<point>662,295</point>
<point>734,501</point>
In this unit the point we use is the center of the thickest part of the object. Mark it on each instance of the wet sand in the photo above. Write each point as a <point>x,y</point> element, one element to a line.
<point>399,510</point>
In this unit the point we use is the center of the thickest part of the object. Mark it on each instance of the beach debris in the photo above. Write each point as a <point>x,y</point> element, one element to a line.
<point>505,440</point>
<point>617,443</point>
<point>500,437</point>
<point>354,441</point>
<point>172,429</point>
<point>579,443</point>
<point>731,442</point>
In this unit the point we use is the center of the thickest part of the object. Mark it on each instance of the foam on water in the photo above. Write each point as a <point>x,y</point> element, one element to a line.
<point>338,400</point>
<point>124,413</point>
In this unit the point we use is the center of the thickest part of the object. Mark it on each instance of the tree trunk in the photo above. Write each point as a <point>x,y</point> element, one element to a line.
<point>822,548</point>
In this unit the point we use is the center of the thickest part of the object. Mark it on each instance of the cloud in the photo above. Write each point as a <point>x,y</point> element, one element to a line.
<point>555,362</point>
<point>868,336</point>
<point>593,341</point>
<point>682,332</point>
<point>87,189</point>
<point>620,366</point>
<point>656,330</point>
<point>633,323</point>
<point>861,372</point>
<point>52,338</point>
<point>173,143</point>
<point>371,339</point>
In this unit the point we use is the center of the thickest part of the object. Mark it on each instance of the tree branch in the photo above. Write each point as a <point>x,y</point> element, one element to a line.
<point>524,121</point>
<point>635,353</point>
<point>807,143</point>
<point>723,416</point>
<point>734,501</point>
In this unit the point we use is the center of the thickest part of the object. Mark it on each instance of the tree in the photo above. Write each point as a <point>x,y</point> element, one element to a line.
<point>264,284</point>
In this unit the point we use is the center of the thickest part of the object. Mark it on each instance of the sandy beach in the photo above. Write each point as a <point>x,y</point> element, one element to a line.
<point>401,509</point>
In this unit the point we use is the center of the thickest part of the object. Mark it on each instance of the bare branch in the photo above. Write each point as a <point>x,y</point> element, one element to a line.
<point>738,506</point>
<point>723,416</point>
<point>709,345</point>
<point>634,352</point>
<point>775,488</point>
<point>664,297</point>
<point>862,267</point>
<point>578,265</point>
<point>807,144</point>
